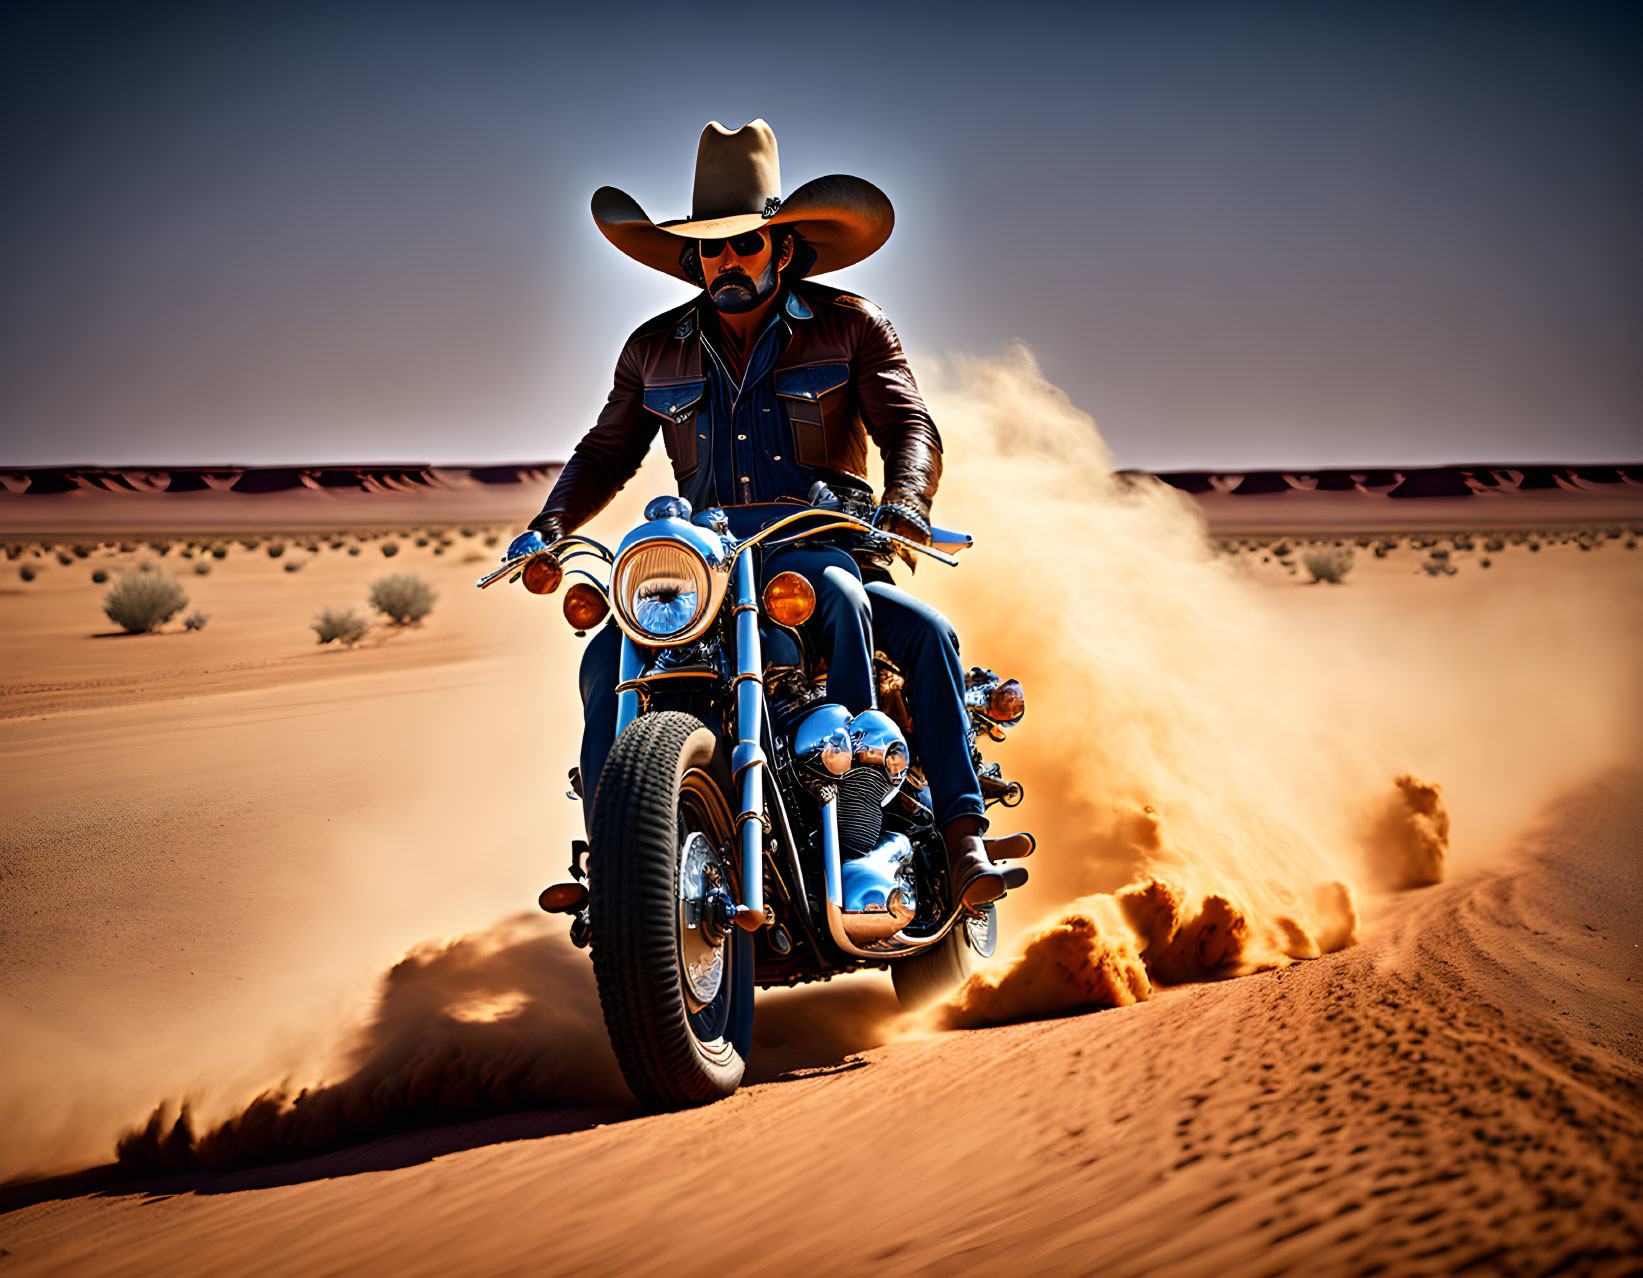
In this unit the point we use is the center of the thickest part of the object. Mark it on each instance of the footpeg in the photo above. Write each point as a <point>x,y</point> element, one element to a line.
<point>1012,847</point>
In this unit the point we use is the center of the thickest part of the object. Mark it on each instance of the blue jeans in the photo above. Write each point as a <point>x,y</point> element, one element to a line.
<point>924,645</point>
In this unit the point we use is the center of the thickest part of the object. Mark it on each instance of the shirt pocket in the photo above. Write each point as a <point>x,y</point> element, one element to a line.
<point>810,394</point>
<point>679,405</point>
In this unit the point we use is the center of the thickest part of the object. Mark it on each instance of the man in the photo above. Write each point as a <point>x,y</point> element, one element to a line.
<point>760,386</point>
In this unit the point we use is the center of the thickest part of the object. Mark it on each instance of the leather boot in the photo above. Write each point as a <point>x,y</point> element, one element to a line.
<point>974,879</point>
<point>1006,852</point>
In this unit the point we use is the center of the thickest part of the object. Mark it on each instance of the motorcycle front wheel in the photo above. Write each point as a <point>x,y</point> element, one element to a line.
<point>675,978</point>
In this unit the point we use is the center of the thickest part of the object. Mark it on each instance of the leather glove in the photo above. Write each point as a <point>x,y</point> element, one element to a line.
<point>527,543</point>
<point>903,515</point>
<point>550,523</point>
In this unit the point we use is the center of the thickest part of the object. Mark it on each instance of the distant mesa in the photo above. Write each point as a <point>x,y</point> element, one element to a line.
<point>1261,483</point>
<point>1189,483</point>
<point>110,497</point>
<point>1442,481</point>
<point>39,481</point>
<point>1449,484</point>
<point>1376,481</point>
<point>270,480</point>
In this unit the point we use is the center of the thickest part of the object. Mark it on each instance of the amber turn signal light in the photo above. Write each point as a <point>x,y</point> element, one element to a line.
<point>542,575</point>
<point>789,599</point>
<point>563,898</point>
<point>1007,703</point>
<point>585,607</point>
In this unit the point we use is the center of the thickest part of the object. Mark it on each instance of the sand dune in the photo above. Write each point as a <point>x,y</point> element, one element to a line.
<point>1463,1090</point>
<point>1463,1085</point>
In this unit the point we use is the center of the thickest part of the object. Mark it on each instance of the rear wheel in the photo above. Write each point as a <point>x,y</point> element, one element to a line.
<point>675,975</point>
<point>933,973</point>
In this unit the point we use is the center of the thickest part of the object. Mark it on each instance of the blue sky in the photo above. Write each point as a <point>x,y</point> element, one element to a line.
<point>1238,235</point>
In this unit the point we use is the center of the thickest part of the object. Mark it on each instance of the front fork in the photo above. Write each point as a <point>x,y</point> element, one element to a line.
<point>747,761</point>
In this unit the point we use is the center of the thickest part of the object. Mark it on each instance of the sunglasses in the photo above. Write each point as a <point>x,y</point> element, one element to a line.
<point>749,244</point>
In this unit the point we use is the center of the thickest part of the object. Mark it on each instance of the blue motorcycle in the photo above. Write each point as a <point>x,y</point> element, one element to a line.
<point>747,831</point>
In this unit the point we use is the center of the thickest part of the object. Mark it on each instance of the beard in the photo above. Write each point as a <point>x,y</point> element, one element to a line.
<point>735,291</point>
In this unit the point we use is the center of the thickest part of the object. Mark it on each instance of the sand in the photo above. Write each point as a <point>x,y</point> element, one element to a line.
<point>217,843</point>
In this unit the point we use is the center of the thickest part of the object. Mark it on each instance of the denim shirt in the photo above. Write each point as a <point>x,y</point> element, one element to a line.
<point>744,429</point>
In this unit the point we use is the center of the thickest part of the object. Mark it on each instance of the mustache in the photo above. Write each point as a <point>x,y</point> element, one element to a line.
<point>733,276</point>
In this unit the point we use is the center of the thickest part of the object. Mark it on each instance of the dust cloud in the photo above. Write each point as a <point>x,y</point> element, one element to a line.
<point>1408,839</point>
<point>1213,787</point>
<point>505,1019</point>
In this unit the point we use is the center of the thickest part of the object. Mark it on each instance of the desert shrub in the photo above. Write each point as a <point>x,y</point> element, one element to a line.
<point>202,567</point>
<point>439,550</point>
<point>353,550</point>
<point>294,565</point>
<point>196,620</point>
<point>1534,545</point>
<point>340,625</point>
<point>312,548</point>
<point>492,541</point>
<point>1441,553</point>
<point>1438,567</point>
<point>338,545</point>
<point>1281,550</point>
<point>390,549</point>
<point>1494,545</point>
<point>1484,562</point>
<point>64,558</point>
<point>275,549</point>
<point>160,547</point>
<point>403,598</point>
<point>1329,565</point>
<point>141,601</point>
<point>28,572</point>
<point>100,576</point>
<point>421,542</point>
<point>81,550</point>
<point>1631,543</point>
<point>219,552</point>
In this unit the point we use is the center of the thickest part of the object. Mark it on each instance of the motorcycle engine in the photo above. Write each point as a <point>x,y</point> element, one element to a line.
<point>862,792</point>
<point>864,757</point>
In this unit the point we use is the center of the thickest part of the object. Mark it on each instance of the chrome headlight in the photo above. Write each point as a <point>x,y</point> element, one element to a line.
<point>661,588</point>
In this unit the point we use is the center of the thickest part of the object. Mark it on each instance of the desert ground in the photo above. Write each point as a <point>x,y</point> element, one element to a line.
<point>237,862</point>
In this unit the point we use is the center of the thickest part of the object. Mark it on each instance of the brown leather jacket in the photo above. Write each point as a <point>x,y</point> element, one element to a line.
<point>838,379</point>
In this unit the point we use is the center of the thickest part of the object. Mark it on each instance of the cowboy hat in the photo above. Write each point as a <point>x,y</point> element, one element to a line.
<point>738,188</point>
